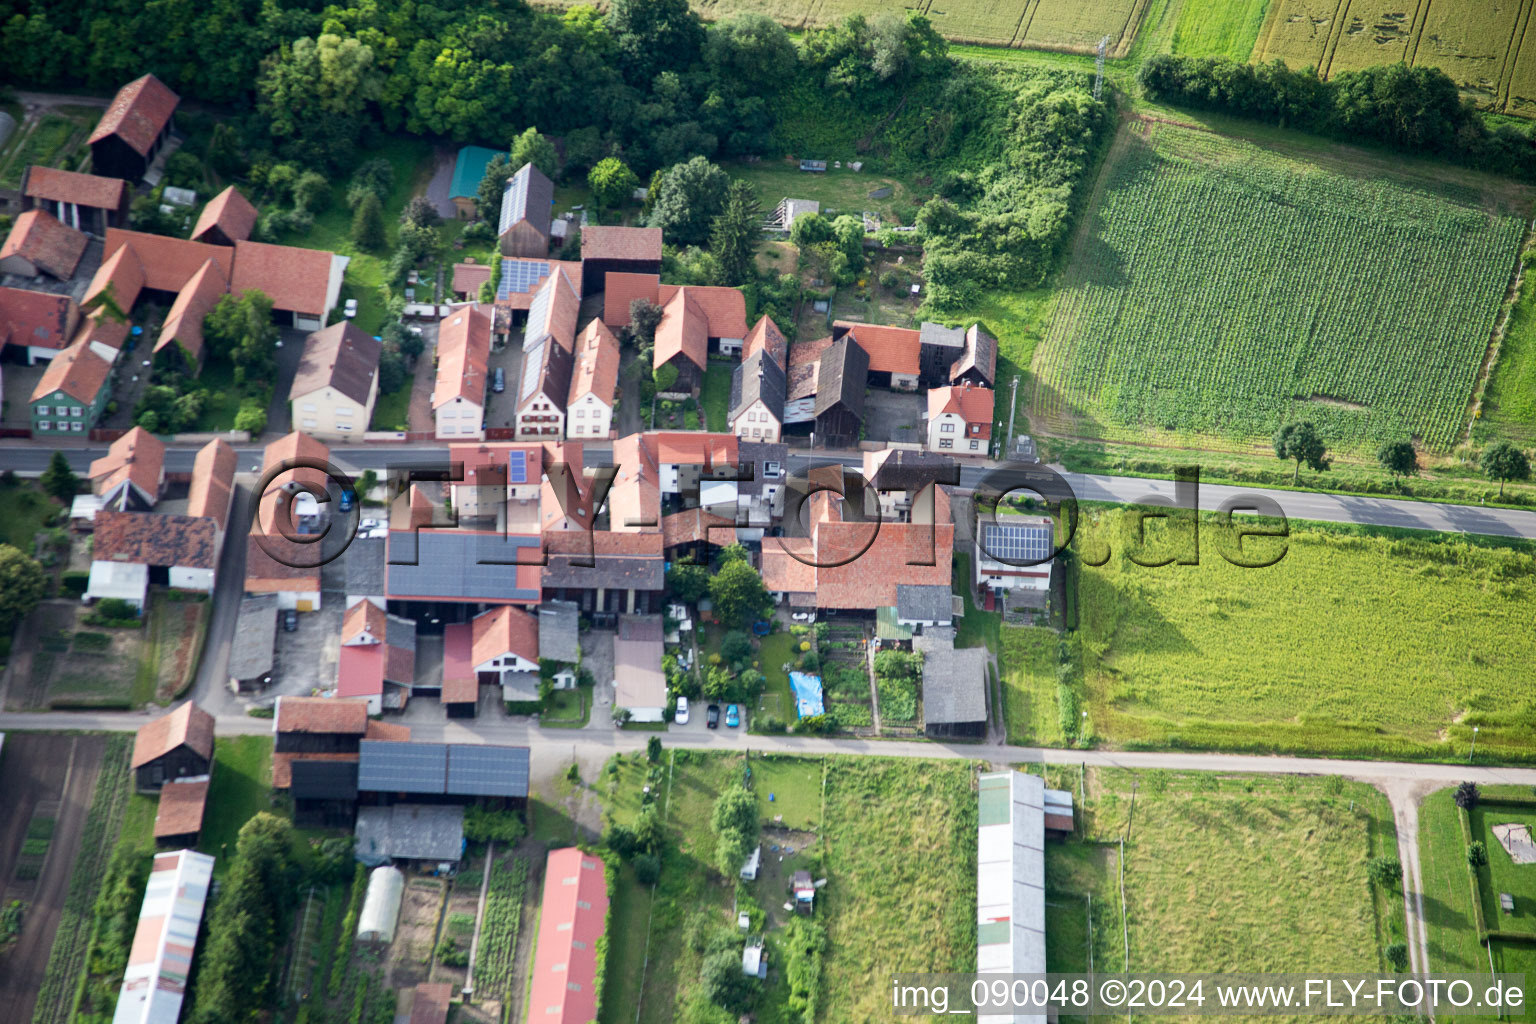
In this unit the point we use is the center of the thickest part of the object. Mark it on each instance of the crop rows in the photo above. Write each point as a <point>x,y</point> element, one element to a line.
<point>1224,292</point>
<point>497,951</point>
<point>55,1000</point>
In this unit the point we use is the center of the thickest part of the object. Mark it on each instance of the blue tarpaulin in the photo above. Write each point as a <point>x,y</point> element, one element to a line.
<point>807,694</point>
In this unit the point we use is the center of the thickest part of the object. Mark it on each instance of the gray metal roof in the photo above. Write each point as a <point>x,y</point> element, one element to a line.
<point>365,567</point>
<point>459,565</point>
<point>475,770</point>
<point>410,832</point>
<point>560,631</point>
<point>386,766</point>
<point>250,653</point>
<point>614,572</point>
<point>529,196</point>
<point>400,633</point>
<point>324,780</point>
<point>916,603</point>
<point>955,685</point>
<point>938,334</point>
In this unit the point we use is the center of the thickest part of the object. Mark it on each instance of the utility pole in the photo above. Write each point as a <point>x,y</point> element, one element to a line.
<point>1098,68</point>
<point>1013,407</point>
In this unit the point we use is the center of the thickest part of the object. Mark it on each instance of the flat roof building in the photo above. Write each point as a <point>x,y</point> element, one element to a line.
<point>160,959</point>
<point>1010,881</point>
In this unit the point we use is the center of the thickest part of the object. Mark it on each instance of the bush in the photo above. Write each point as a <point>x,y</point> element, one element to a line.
<point>450,955</point>
<point>74,582</point>
<point>1397,956</point>
<point>1467,796</point>
<point>1477,853</point>
<point>647,868</point>
<point>1385,871</point>
<point>483,825</point>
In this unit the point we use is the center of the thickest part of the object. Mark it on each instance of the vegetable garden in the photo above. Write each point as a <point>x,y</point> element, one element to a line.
<point>497,954</point>
<point>1223,290</point>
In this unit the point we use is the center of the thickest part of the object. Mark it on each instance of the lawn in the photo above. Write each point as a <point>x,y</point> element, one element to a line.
<point>1028,660</point>
<point>1227,873</point>
<point>23,512</point>
<point>240,789</point>
<point>1200,304</point>
<point>716,395</point>
<point>392,411</point>
<point>789,787</point>
<point>774,651</point>
<point>977,628</point>
<point>1352,644</point>
<point>1451,927</point>
<point>1018,320</point>
<point>411,159</point>
<point>839,190</point>
<point>568,709</point>
<point>1219,28</point>
<point>221,400</point>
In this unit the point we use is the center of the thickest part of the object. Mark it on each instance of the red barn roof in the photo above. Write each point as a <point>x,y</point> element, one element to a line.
<point>565,965</point>
<point>91,190</point>
<point>39,238</point>
<point>138,114</point>
<point>188,725</point>
<point>230,212</point>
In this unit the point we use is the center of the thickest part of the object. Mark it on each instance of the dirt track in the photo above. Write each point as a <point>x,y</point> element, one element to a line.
<point>41,769</point>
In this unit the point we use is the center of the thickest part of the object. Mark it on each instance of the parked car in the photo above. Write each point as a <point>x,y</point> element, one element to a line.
<point>732,715</point>
<point>347,501</point>
<point>803,616</point>
<point>290,620</point>
<point>350,308</point>
<point>712,718</point>
<point>499,380</point>
<point>681,718</point>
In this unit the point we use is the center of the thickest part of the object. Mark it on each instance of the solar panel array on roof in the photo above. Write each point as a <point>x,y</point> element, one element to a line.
<point>487,770</point>
<point>459,565</point>
<point>520,276</point>
<point>391,767</point>
<point>517,467</point>
<point>1016,543</point>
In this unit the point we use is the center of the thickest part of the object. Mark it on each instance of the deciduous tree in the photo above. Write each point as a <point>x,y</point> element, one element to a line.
<point>738,592</point>
<point>1399,458</point>
<point>1502,461</point>
<point>612,183</point>
<point>1302,443</point>
<point>21,583</point>
<point>533,148</point>
<point>691,196</point>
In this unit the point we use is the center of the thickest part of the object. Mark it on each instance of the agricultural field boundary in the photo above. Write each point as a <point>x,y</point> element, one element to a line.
<point>1496,342</point>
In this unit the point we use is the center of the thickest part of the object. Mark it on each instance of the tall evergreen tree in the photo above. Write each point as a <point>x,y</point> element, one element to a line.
<point>368,223</point>
<point>736,232</point>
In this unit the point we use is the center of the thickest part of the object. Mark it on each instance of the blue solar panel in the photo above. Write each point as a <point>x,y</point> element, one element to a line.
<point>520,276</point>
<point>517,467</point>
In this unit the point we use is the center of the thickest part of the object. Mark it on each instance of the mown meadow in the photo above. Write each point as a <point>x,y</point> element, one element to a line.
<point>1222,289</point>
<point>1352,644</point>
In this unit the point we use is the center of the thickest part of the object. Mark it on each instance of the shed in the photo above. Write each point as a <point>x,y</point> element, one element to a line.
<point>817,166</point>
<point>174,746</point>
<point>381,906</point>
<point>250,652</point>
<point>753,963</point>
<point>754,863</point>
<point>324,792</point>
<point>559,631</point>
<point>431,1003</point>
<point>421,833</point>
<point>1058,811</point>
<point>179,818</point>
<point>955,691</point>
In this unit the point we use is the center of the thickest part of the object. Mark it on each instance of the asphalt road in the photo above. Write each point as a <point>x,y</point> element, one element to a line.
<point>1333,508</point>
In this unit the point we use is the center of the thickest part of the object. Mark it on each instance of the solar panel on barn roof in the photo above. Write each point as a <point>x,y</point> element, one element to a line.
<point>389,767</point>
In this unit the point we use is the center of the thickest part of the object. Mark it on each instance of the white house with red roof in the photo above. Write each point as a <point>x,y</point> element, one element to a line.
<point>960,419</point>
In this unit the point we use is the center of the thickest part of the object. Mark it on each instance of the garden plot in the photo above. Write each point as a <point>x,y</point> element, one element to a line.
<point>409,959</point>
<point>1222,289</point>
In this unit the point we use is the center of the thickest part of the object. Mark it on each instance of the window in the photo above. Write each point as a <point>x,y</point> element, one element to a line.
<point>947,428</point>
<point>75,410</point>
<point>578,944</point>
<point>343,410</point>
<point>771,469</point>
<point>975,428</point>
<point>76,426</point>
<point>975,445</point>
<point>309,424</point>
<point>43,410</point>
<point>308,407</point>
<point>348,426</point>
<point>946,443</point>
<point>580,413</point>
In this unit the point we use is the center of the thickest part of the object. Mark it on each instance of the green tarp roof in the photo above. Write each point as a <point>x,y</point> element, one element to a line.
<point>469,169</point>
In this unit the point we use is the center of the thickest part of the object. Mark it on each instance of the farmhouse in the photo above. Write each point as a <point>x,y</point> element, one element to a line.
<point>177,745</point>
<point>134,129</point>
<point>337,382</point>
<point>548,358</point>
<point>85,202</point>
<point>463,351</point>
<point>758,387</point>
<point>303,284</point>
<point>72,392</point>
<point>37,325</point>
<point>1014,557</point>
<point>594,382</point>
<point>160,957</point>
<point>135,550</point>
<point>960,419</point>
<point>504,640</point>
<point>526,208</point>
<point>571,921</point>
<point>378,657</point>
<point>38,244</point>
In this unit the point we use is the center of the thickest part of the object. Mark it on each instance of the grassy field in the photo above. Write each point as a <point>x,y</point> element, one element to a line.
<point>1219,28</point>
<point>1029,660</point>
<point>773,652</point>
<point>839,190</point>
<point>1351,644</point>
<point>1224,873</point>
<point>976,628</point>
<point>242,780</point>
<point>1223,288</point>
<point>715,396</point>
<point>23,512</point>
<point>1451,927</point>
<point>1509,404</point>
<point>392,411</point>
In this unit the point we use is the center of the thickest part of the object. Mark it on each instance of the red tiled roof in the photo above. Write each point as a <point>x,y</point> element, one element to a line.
<point>360,671</point>
<point>305,453</point>
<point>39,238</point>
<point>37,319</point>
<point>724,309</point>
<point>230,212</point>
<point>91,190</point>
<point>693,525</point>
<point>783,572</point>
<point>766,334</point>
<point>463,350</point>
<point>149,538</point>
<point>167,263</point>
<point>890,349</point>
<point>100,326</point>
<point>560,312</point>
<point>605,543</point>
<point>505,630</point>
<point>188,725</point>
<point>296,280</point>
<point>564,493</point>
<point>267,575</point>
<point>620,289</point>
<point>468,277</point>
<point>138,114</point>
<point>684,330</point>
<point>342,356</point>
<point>411,509</point>
<point>389,732</point>
<point>693,448</point>
<point>184,323</point>
<point>181,809</point>
<point>76,371</point>
<point>618,243</point>
<point>564,981</point>
<point>282,763</point>
<point>213,482</point>
<point>634,499</point>
<point>325,715</point>
<point>138,456</point>
<point>460,683</point>
<point>597,364</point>
<point>364,619</point>
<point>804,362</point>
<point>121,275</point>
<point>973,405</point>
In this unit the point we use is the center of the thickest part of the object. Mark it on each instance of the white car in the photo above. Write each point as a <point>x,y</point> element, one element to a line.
<point>804,616</point>
<point>681,718</point>
<point>350,308</point>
